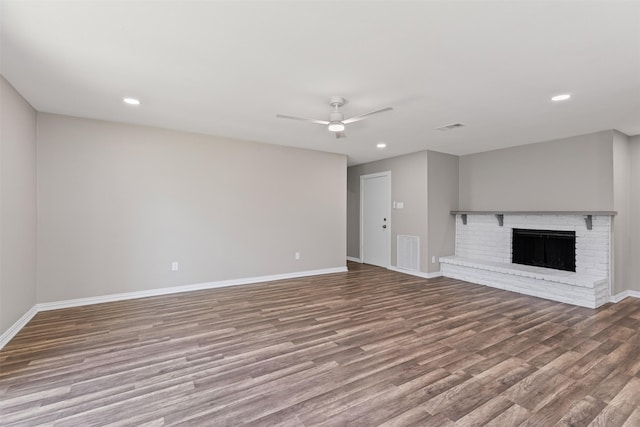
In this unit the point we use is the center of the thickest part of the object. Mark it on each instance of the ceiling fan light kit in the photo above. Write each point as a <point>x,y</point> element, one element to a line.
<point>336,126</point>
<point>336,121</point>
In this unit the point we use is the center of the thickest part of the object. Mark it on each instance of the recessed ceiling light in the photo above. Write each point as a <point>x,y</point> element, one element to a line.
<point>131,101</point>
<point>381,145</point>
<point>561,97</point>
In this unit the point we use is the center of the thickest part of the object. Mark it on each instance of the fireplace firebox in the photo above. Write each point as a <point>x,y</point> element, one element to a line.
<point>544,248</point>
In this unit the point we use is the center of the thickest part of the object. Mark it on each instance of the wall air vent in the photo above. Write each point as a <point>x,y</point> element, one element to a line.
<point>449,127</point>
<point>408,252</point>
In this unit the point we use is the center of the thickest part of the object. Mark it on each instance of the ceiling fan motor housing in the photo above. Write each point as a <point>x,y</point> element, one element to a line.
<point>336,116</point>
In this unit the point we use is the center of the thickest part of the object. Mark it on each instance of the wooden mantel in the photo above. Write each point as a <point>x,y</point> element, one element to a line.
<point>588,215</point>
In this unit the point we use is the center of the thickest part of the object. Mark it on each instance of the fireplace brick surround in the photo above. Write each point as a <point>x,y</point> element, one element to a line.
<point>483,255</point>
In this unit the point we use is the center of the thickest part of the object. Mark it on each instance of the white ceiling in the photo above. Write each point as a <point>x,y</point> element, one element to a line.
<point>227,68</point>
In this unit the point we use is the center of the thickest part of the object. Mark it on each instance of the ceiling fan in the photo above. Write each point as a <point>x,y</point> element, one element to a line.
<point>337,122</point>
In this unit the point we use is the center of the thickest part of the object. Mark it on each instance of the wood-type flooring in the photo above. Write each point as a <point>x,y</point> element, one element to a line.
<point>365,348</point>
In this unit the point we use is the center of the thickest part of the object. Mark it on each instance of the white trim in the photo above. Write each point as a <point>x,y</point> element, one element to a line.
<point>624,294</point>
<point>416,273</point>
<point>612,265</point>
<point>362,178</point>
<point>186,288</point>
<point>354,259</point>
<point>16,327</point>
<point>20,323</point>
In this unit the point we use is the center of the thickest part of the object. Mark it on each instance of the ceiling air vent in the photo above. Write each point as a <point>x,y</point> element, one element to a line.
<point>452,126</point>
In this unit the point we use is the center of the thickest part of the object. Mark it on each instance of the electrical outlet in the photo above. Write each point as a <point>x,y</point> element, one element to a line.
<point>174,266</point>
<point>433,260</point>
<point>297,256</point>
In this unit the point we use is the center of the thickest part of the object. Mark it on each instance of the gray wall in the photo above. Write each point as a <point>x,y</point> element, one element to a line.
<point>427,183</point>
<point>442,199</point>
<point>18,218</point>
<point>621,196</point>
<point>567,174</point>
<point>408,185</point>
<point>118,203</point>
<point>598,171</point>
<point>634,214</point>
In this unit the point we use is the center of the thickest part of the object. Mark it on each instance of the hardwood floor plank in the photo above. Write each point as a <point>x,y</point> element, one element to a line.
<point>582,413</point>
<point>367,347</point>
<point>415,416</point>
<point>478,390</point>
<point>559,402</point>
<point>485,412</point>
<point>608,388</point>
<point>633,420</point>
<point>512,416</point>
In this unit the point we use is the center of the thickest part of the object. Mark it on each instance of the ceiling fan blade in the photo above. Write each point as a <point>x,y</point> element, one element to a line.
<point>365,115</point>
<point>320,122</point>
<point>341,135</point>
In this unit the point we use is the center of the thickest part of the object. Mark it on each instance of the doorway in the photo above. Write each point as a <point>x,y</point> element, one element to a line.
<point>375,219</point>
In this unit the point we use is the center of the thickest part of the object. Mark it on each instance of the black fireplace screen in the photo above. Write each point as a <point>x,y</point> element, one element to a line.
<point>545,248</point>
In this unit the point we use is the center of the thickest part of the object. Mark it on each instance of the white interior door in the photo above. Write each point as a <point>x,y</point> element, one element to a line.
<point>375,219</point>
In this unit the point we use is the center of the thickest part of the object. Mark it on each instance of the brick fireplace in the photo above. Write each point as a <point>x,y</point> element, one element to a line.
<point>483,254</point>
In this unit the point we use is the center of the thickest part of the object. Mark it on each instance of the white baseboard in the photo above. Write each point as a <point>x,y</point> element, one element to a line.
<point>15,328</point>
<point>624,294</point>
<point>18,325</point>
<point>358,260</point>
<point>416,273</point>
<point>186,288</point>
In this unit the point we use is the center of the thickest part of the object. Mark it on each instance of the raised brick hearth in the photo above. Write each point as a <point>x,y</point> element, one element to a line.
<point>483,256</point>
